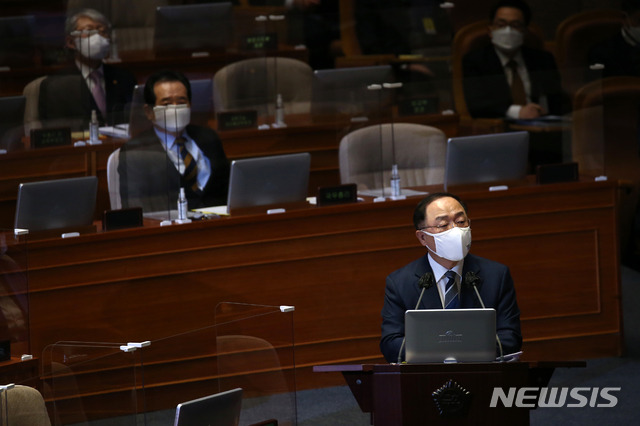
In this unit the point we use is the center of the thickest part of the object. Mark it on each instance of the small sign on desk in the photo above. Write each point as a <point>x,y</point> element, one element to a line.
<point>267,41</point>
<point>418,106</point>
<point>233,120</point>
<point>45,138</point>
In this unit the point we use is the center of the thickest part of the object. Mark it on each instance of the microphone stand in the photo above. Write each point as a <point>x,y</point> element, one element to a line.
<point>426,281</point>
<point>381,198</point>
<point>395,177</point>
<point>470,280</point>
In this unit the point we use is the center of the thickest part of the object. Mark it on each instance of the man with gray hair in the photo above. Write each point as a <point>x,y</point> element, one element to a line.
<point>68,98</point>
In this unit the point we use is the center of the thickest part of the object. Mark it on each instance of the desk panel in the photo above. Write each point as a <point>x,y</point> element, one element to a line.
<point>320,139</point>
<point>330,263</point>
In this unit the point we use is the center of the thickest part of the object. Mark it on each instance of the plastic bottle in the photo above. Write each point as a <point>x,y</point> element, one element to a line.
<point>279,112</point>
<point>182,206</point>
<point>94,137</point>
<point>395,182</point>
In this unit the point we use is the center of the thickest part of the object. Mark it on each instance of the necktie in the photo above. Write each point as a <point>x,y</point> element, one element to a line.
<point>518,95</point>
<point>97,91</point>
<point>190,175</point>
<point>451,301</point>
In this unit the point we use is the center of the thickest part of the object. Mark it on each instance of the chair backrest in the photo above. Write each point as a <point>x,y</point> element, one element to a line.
<point>254,84</point>
<point>574,38</point>
<point>367,154</point>
<point>31,115</point>
<point>113,180</point>
<point>605,138</point>
<point>472,37</point>
<point>23,406</point>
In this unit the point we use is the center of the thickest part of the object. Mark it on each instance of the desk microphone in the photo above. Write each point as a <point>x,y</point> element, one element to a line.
<point>426,281</point>
<point>471,280</point>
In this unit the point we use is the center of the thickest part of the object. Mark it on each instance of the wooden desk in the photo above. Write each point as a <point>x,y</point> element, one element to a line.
<point>330,263</point>
<point>320,139</point>
<point>417,394</point>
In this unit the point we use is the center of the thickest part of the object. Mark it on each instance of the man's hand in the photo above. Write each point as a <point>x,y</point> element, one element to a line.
<point>530,111</point>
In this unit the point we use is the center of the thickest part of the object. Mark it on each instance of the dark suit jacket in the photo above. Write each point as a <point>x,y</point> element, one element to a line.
<point>496,289</point>
<point>148,178</point>
<point>618,57</point>
<point>65,99</point>
<point>487,91</point>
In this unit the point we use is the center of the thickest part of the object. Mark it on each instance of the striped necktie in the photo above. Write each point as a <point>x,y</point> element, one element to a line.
<point>190,175</point>
<point>451,301</point>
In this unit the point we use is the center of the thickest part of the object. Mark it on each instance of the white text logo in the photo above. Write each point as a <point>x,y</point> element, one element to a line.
<point>554,397</point>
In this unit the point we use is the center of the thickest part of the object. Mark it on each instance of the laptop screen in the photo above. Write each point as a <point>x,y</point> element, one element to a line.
<point>276,181</point>
<point>450,335</point>
<point>220,409</point>
<point>56,204</point>
<point>499,157</point>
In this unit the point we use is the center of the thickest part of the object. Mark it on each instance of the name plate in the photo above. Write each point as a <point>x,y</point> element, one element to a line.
<point>45,138</point>
<point>267,41</point>
<point>233,120</point>
<point>340,194</point>
<point>426,105</point>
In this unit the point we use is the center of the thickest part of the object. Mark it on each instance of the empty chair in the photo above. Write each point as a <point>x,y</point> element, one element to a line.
<point>31,93</point>
<point>575,36</point>
<point>366,155</point>
<point>113,180</point>
<point>23,406</point>
<point>255,83</point>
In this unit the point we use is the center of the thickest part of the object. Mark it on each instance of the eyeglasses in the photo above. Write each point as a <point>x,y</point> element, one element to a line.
<point>458,223</point>
<point>89,32</point>
<point>516,25</point>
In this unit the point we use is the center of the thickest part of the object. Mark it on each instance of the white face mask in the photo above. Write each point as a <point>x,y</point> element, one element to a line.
<point>93,47</point>
<point>453,244</point>
<point>507,39</point>
<point>172,118</point>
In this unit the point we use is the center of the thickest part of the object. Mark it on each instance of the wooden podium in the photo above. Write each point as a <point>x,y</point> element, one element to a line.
<point>442,394</point>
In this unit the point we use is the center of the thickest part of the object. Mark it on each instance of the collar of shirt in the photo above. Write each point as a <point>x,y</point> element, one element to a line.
<point>438,275</point>
<point>169,143</point>
<point>86,70</point>
<point>504,58</point>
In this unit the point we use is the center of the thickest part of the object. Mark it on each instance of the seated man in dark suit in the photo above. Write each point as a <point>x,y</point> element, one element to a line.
<point>67,99</point>
<point>620,54</point>
<point>173,154</point>
<point>443,227</point>
<point>507,79</point>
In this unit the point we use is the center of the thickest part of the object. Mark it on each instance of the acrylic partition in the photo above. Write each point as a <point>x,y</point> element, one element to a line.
<point>14,297</point>
<point>141,383</point>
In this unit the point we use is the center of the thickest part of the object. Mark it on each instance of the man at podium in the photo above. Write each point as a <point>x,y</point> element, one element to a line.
<point>445,272</point>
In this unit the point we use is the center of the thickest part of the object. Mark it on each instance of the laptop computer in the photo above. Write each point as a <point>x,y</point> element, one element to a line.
<point>450,335</point>
<point>499,157</point>
<point>277,181</point>
<point>220,409</point>
<point>56,204</point>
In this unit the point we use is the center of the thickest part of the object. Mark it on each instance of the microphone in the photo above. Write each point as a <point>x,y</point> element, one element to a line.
<point>426,281</point>
<point>471,279</point>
